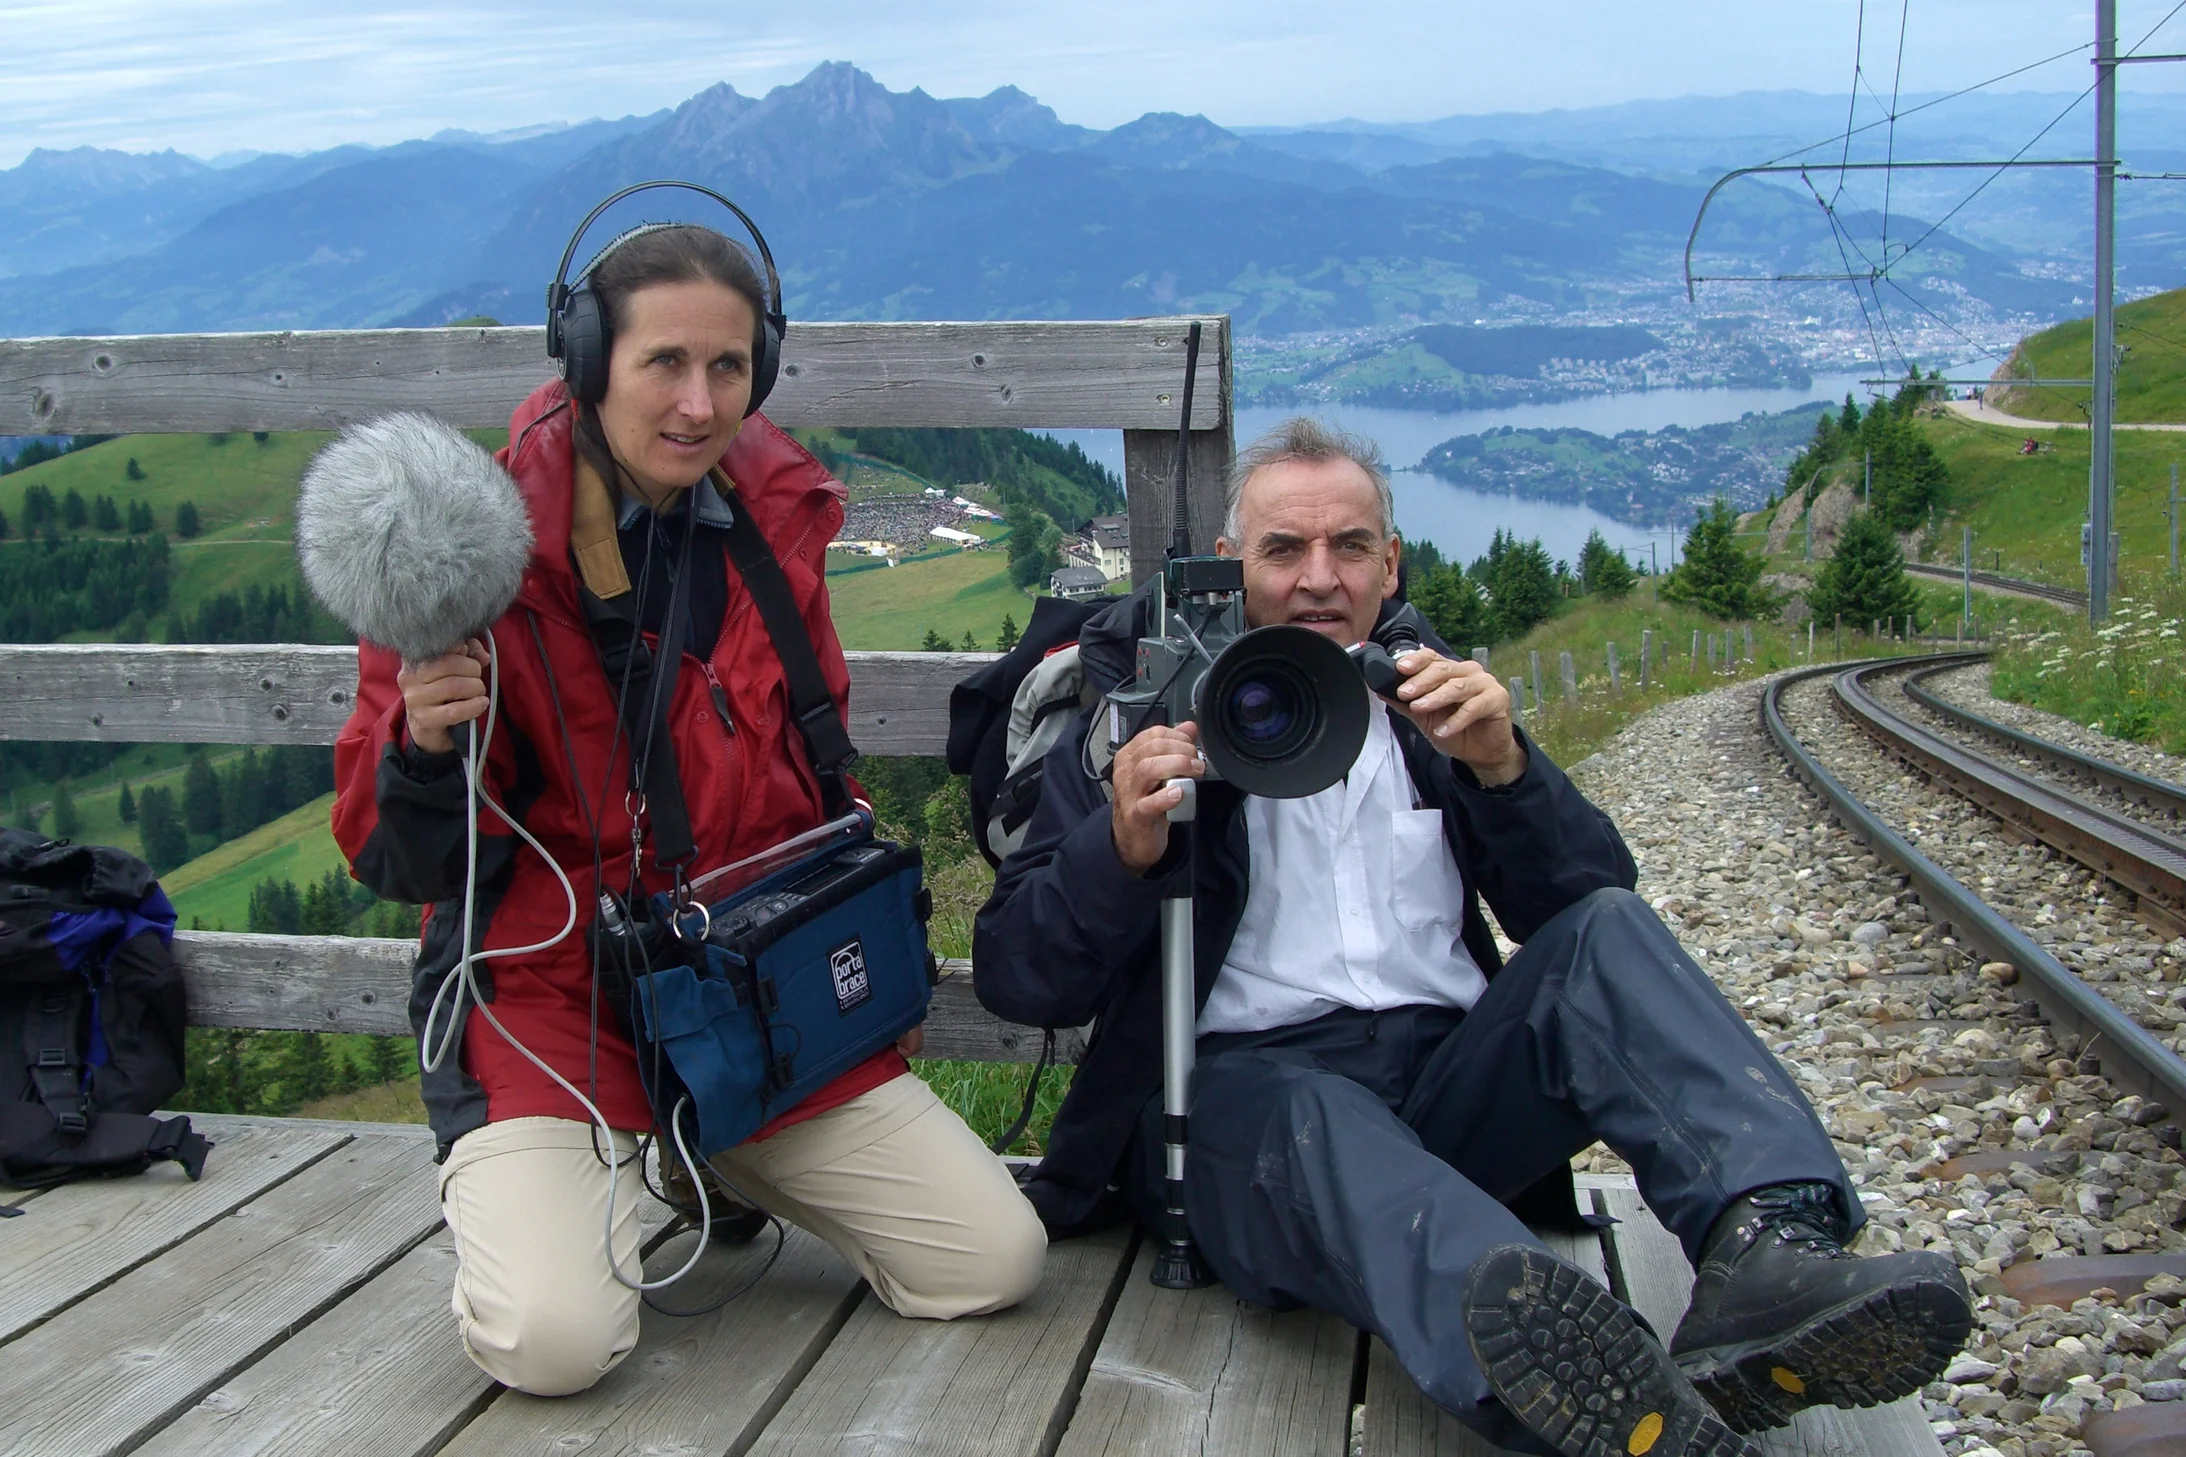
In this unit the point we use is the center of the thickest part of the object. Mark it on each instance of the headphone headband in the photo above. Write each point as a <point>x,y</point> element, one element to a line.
<point>577,333</point>
<point>558,291</point>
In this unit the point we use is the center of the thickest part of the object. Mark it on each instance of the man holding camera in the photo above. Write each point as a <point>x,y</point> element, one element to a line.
<point>1374,1084</point>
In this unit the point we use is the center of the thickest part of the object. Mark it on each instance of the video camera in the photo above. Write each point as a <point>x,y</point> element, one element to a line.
<point>1279,709</point>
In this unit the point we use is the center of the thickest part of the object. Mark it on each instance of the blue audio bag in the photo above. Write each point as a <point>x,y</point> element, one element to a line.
<point>784,987</point>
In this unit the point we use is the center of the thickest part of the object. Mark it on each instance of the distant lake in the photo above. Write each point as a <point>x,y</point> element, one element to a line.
<point>1461,521</point>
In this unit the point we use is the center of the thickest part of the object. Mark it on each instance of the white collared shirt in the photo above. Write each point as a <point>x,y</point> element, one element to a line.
<point>1355,901</point>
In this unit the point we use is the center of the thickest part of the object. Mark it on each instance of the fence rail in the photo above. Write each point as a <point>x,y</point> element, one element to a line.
<point>1126,375</point>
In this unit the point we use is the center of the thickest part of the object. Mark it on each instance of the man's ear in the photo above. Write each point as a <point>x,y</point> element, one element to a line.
<point>1223,546</point>
<point>1390,560</point>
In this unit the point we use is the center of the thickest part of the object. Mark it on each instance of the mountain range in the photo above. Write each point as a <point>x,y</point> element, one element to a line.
<point>884,204</point>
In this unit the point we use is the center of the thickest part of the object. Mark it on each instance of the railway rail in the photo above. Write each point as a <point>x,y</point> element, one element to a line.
<point>2020,586</point>
<point>2159,796</point>
<point>2130,1056</point>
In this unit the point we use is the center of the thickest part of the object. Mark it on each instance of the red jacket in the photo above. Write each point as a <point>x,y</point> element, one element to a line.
<point>398,812</point>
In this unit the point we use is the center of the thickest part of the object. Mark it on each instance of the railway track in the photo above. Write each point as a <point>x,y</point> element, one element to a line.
<point>2152,866</point>
<point>2020,586</point>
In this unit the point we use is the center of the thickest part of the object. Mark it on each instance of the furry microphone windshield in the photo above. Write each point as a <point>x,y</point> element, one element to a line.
<point>412,535</point>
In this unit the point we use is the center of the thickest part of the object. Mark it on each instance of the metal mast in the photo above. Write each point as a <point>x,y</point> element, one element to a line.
<point>2100,476</point>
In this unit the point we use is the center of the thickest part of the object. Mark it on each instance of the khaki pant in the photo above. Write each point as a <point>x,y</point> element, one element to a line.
<point>892,1179</point>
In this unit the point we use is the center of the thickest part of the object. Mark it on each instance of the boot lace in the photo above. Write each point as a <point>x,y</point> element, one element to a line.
<point>1801,1214</point>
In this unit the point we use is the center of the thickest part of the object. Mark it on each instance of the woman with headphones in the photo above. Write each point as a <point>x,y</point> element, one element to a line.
<point>633,467</point>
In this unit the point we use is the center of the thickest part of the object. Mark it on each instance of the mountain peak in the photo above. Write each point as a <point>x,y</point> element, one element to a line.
<point>1009,117</point>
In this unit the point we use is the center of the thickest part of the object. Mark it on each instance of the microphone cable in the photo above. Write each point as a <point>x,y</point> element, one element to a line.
<point>463,980</point>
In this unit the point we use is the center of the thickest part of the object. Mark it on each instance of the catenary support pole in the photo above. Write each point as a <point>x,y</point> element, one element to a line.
<point>1965,610</point>
<point>2103,407</point>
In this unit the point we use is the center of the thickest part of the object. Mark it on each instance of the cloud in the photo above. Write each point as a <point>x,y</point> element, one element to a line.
<point>216,75</point>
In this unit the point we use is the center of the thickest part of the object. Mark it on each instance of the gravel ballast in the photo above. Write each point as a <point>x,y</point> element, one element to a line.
<point>1915,1051</point>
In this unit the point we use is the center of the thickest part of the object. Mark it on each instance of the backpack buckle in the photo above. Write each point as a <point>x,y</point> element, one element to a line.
<point>54,1057</point>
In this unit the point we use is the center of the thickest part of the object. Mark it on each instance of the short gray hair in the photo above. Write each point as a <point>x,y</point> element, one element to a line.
<point>1303,438</point>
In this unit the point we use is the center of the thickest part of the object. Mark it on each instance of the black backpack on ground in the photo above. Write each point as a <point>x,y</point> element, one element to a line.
<point>91,1016</point>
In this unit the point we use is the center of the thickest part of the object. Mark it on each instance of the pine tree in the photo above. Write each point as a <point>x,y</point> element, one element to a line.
<point>389,1059</point>
<point>201,797</point>
<point>3,526</point>
<point>1520,582</point>
<point>1452,605</point>
<point>1007,637</point>
<point>1864,579</point>
<point>74,513</point>
<point>128,805</point>
<point>276,908</point>
<point>970,643</point>
<point>1717,575</point>
<point>140,518</point>
<point>934,643</point>
<point>186,523</point>
<point>104,514</point>
<point>307,1077</point>
<point>1035,547</point>
<point>67,823</point>
<point>166,843</point>
<point>1604,569</point>
<point>134,471</point>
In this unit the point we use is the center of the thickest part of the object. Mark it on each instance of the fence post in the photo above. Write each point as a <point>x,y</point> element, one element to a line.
<point>1840,635</point>
<point>1616,684</point>
<point>1810,639</point>
<point>1518,702</point>
<point>1533,660</point>
<point>1570,676</point>
<point>1874,628</point>
<point>1711,652</point>
<point>1647,654</point>
<point>1480,656</point>
<point>1746,630</point>
<point>1692,658</point>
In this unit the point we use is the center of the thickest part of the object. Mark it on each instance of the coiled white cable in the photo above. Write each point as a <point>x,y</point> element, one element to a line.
<point>461,979</point>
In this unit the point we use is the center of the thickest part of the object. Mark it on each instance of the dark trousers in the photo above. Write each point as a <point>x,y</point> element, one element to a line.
<point>1355,1163</point>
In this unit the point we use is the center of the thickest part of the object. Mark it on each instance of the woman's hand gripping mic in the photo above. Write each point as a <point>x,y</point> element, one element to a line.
<point>442,692</point>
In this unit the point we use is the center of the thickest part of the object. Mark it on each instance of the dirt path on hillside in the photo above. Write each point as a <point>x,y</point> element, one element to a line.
<point>1982,413</point>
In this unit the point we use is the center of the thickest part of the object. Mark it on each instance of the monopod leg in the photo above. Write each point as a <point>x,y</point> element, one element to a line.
<point>1177,1266</point>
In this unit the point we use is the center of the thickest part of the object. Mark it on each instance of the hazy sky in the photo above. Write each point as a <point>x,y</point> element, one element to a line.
<point>207,76</point>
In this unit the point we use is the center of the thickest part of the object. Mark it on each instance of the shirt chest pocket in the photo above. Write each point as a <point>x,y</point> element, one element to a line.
<point>1425,889</point>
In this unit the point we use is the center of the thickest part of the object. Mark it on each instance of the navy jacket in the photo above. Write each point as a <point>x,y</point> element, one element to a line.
<point>1070,937</point>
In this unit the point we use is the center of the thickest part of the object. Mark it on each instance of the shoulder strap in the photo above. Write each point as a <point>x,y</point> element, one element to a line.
<point>651,684</point>
<point>811,702</point>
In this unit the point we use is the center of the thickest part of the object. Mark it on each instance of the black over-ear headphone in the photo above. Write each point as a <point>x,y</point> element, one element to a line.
<point>577,333</point>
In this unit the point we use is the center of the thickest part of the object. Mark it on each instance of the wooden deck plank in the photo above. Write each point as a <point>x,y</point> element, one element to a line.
<point>1397,1419</point>
<point>703,1384</point>
<point>1659,1281</point>
<point>383,1372</point>
<point>87,1233</point>
<point>111,1369</point>
<point>997,1386</point>
<point>1201,1372</point>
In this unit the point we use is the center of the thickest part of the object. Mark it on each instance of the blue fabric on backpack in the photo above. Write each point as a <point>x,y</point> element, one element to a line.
<point>83,940</point>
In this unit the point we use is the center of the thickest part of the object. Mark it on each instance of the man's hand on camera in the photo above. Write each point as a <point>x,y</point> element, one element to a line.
<point>1464,712</point>
<point>442,692</point>
<point>1138,821</point>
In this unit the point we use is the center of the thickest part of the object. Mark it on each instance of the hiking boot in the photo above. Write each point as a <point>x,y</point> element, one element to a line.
<point>1577,1369</point>
<point>1784,1317</point>
<point>734,1221</point>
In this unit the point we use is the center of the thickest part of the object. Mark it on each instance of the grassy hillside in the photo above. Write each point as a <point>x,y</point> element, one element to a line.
<point>2151,376</point>
<point>244,489</point>
<point>890,608</point>
<point>215,887</point>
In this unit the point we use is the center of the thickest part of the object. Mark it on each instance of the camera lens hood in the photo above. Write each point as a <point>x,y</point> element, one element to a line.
<point>1282,712</point>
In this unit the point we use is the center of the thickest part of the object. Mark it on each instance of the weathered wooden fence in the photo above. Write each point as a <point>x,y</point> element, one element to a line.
<point>1126,375</point>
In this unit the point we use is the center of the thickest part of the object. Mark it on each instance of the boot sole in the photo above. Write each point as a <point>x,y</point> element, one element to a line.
<point>1575,1367</point>
<point>1887,1344</point>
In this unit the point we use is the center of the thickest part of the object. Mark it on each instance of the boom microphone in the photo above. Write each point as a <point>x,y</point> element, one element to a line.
<point>412,535</point>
